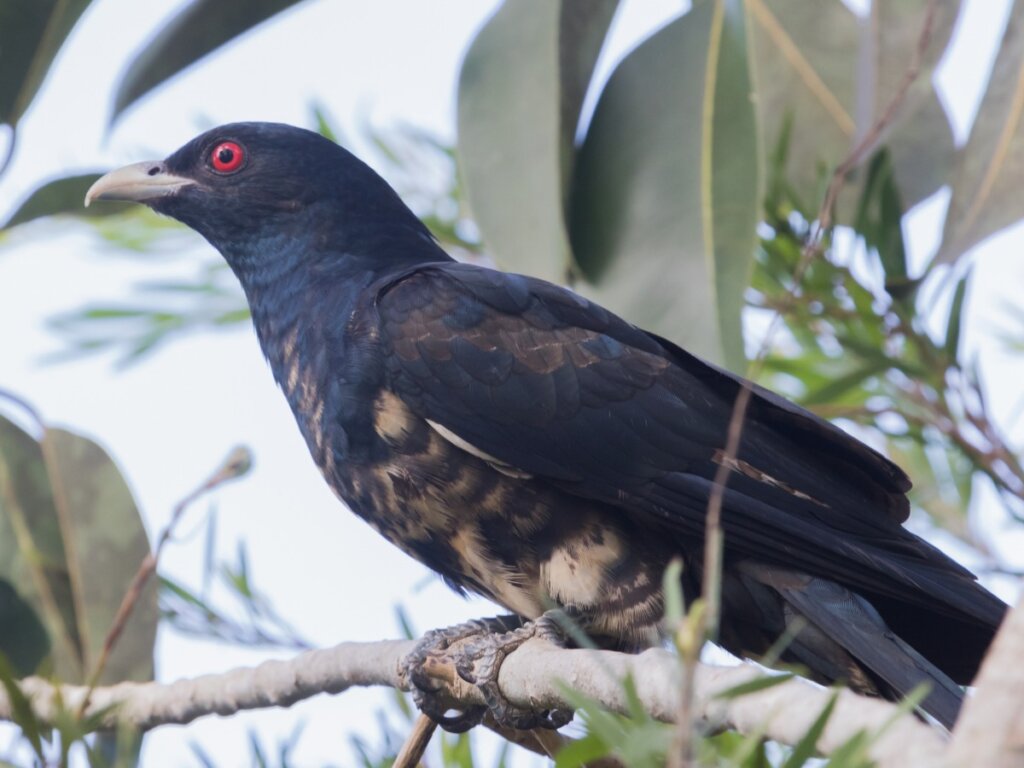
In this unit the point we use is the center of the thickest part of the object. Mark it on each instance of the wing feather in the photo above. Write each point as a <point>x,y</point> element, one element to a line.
<point>562,390</point>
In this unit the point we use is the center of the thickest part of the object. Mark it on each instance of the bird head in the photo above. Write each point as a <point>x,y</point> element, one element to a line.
<point>258,191</point>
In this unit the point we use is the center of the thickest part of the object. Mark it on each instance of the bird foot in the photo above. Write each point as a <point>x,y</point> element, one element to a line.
<point>477,650</point>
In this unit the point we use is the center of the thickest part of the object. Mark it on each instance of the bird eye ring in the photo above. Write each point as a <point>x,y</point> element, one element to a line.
<point>227,157</point>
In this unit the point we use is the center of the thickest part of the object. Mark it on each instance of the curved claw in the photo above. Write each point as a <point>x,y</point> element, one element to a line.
<point>431,706</point>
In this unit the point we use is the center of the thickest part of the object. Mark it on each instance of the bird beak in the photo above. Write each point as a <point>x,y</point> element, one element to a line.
<point>139,182</point>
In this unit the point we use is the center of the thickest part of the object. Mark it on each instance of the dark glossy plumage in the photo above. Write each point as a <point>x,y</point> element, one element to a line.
<point>531,446</point>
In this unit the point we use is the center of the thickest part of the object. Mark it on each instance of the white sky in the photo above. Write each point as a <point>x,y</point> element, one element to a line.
<point>171,419</point>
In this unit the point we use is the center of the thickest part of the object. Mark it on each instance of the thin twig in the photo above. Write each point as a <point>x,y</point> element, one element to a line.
<point>235,465</point>
<point>712,566</point>
<point>416,744</point>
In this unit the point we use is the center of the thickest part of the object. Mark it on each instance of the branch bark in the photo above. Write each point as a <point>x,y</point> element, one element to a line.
<point>533,676</point>
<point>990,730</point>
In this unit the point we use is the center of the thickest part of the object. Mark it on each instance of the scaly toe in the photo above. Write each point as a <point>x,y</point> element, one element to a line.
<point>435,646</point>
<point>479,659</point>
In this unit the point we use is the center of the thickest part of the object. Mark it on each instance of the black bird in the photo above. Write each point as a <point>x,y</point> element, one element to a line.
<point>532,447</point>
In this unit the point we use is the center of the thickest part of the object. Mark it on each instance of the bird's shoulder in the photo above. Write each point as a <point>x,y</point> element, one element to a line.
<point>531,372</point>
<point>511,347</point>
<point>455,300</point>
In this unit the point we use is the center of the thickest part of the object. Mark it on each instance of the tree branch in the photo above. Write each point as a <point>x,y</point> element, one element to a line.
<point>531,677</point>
<point>990,730</point>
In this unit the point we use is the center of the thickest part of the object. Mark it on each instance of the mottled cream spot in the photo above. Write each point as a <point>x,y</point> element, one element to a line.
<point>316,425</point>
<point>290,360</point>
<point>456,489</point>
<point>310,392</point>
<point>391,418</point>
<point>577,571</point>
<point>293,377</point>
<point>500,581</point>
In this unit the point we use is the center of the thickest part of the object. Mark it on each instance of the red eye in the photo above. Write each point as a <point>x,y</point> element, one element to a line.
<point>227,157</point>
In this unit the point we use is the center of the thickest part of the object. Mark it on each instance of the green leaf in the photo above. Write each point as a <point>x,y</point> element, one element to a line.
<point>324,124</point>
<point>256,751</point>
<point>834,392</point>
<point>666,195</point>
<point>920,139</point>
<point>816,68</point>
<point>21,709</point>
<point>140,229</point>
<point>33,557</point>
<point>31,33</point>
<point>936,488</point>
<point>735,750</point>
<point>405,623</point>
<point>638,741</point>
<point>202,27</point>
<point>521,88</point>
<point>986,186</point>
<point>457,751</point>
<point>879,220</point>
<point>581,752</point>
<point>105,544</point>
<point>608,727</point>
<point>233,316</point>
<point>953,325</point>
<point>23,637</point>
<point>70,543</point>
<point>854,752</point>
<point>62,196</point>
<point>807,747</point>
<point>804,58</point>
<point>753,686</point>
<point>672,589</point>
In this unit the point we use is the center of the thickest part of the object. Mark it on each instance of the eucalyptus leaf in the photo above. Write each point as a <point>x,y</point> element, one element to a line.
<point>70,543</point>
<point>31,33</point>
<point>754,685</point>
<point>581,752</point>
<point>930,492</point>
<point>667,191</point>
<point>33,560</point>
<point>805,75</point>
<point>22,713</point>
<point>521,88</point>
<point>953,325</point>
<point>62,196</point>
<point>920,139</point>
<point>23,637</point>
<point>806,748</point>
<point>106,544</point>
<point>846,389</point>
<point>986,186</point>
<point>201,28</point>
<point>879,220</point>
<point>823,78</point>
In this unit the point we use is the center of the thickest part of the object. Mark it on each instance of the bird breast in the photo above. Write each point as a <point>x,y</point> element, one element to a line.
<point>488,528</point>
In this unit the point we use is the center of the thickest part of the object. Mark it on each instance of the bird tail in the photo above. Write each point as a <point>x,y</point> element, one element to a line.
<point>894,667</point>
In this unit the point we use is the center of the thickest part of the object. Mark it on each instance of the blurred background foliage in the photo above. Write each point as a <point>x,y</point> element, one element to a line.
<point>680,193</point>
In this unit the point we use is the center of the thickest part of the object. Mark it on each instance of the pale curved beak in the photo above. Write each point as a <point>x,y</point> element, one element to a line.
<point>138,182</point>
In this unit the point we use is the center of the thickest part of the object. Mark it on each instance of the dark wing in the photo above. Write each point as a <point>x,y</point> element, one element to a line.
<point>542,380</point>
